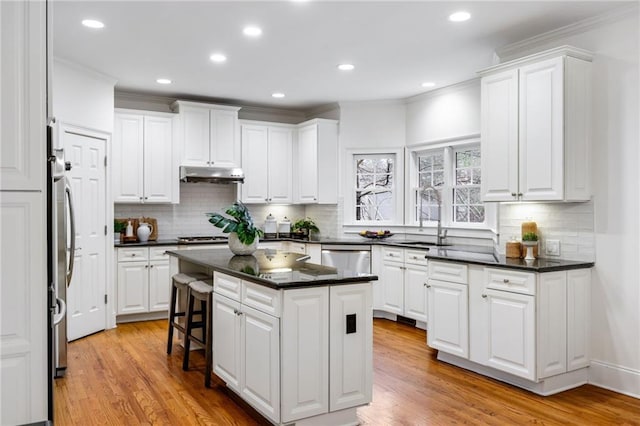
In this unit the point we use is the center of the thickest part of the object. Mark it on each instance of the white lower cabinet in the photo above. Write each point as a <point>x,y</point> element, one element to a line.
<point>448,326</point>
<point>401,288</point>
<point>144,279</point>
<point>294,354</point>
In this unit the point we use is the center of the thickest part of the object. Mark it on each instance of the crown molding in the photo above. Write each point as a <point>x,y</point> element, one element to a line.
<point>321,109</point>
<point>512,50</point>
<point>536,57</point>
<point>474,82</point>
<point>86,70</point>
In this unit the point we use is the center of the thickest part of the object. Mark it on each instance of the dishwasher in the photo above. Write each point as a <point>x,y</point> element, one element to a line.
<point>351,258</point>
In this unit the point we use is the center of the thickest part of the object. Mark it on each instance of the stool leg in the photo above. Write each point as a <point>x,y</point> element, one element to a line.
<point>172,317</point>
<point>208,341</point>
<point>187,337</point>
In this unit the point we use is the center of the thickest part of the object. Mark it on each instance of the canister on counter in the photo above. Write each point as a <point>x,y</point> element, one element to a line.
<point>270,227</point>
<point>514,249</point>
<point>284,228</point>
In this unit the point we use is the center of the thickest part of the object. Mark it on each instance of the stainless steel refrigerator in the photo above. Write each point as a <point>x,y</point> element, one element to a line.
<point>61,237</point>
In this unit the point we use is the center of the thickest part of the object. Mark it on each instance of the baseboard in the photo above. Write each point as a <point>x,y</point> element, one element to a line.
<point>146,316</point>
<point>618,379</point>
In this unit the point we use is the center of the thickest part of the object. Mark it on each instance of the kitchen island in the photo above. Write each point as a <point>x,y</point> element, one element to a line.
<point>291,338</point>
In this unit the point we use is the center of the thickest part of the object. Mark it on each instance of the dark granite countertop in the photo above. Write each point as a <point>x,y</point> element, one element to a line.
<point>275,269</point>
<point>167,242</point>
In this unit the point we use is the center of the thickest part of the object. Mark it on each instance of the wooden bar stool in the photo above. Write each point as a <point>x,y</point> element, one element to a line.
<point>202,291</point>
<point>179,282</point>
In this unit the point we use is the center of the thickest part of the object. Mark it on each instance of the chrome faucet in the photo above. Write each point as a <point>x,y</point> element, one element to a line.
<point>440,236</point>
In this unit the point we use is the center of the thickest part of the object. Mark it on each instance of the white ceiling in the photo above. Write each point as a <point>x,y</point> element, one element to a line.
<point>394,45</point>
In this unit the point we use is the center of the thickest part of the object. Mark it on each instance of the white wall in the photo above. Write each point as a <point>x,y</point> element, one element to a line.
<point>82,97</point>
<point>615,315</point>
<point>447,113</point>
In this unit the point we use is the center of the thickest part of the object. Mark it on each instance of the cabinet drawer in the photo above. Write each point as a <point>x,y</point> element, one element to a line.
<point>133,254</point>
<point>448,271</point>
<point>227,285</point>
<point>415,257</point>
<point>297,248</point>
<point>510,280</point>
<point>159,253</point>
<point>262,298</point>
<point>393,254</point>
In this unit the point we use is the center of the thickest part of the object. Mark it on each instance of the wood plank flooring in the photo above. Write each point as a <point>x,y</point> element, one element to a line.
<point>124,377</point>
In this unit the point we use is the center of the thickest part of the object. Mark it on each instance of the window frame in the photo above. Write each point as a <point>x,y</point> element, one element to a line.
<point>396,188</point>
<point>448,147</point>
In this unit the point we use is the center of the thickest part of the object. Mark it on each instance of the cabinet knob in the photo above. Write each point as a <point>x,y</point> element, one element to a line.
<point>146,266</point>
<point>506,281</point>
<point>150,266</point>
<point>519,194</point>
<point>146,198</point>
<point>133,255</point>
<point>484,296</point>
<point>513,194</point>
<point>428,286</point>
<point>140,198</point>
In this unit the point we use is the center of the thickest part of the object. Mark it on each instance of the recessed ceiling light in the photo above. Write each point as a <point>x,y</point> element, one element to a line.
<point>277,95</point>
<point>460,16</point>
<point>163,81</point>
<point>428,84</point>
<point>218,57</point>
<point>252,31</point>
<point>346,67</point>
<point>92,23</point>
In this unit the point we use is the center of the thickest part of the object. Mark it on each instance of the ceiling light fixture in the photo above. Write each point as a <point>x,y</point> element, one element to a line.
<point>277,95</point>
<point>346,67</point>
<point>252,31</point>
<point>218,58</point>
<point>428,84</point>
<point>163,81</point>
<point>460,16</point>
<point>92,23</point>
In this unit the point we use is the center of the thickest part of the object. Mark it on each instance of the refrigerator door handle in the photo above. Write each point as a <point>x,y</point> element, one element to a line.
<point>72,222</point>
<point>62,311</point>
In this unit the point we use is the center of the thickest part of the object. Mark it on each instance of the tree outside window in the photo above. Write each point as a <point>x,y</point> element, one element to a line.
<point>374,187</point>
<point>467,204</point>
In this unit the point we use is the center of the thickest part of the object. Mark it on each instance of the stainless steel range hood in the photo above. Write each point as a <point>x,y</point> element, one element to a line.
<point>211,174</point>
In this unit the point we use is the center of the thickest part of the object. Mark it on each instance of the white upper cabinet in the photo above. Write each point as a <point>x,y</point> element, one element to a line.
<point>266,162</point>
<point>535,128</point>
<point>208,134</point>
<point>316,162</point>
<point>143,166</point>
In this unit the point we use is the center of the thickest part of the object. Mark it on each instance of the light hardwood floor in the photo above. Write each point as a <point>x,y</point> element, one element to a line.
<point>124,377</point>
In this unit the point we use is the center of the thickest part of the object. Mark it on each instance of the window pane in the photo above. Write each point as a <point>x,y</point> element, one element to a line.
<point>476,177</point>
<point>461,214</point>
<point>474,195</point>
<point>384,165</point>
<point>438,161</point>
<point>462,177</point>
<point>364,166</point>
<point>424,163</point>
<point>425,180</point>
<point>384,181</point>
<point>438,179</point>
<point>476,214</point>
<point>461,196</point>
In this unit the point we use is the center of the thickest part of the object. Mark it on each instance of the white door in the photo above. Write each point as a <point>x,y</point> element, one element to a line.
<point>86,311</point>
<point>415,292</point>
<point>260,362</point>
<point>511,333</point>
<point>279,160</point>
<point>448,329</point>
<point>158,161</point>
<point>392,284</point>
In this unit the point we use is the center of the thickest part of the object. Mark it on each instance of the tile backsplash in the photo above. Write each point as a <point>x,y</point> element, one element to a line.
<point>570,223</point>
<point>196,199</point>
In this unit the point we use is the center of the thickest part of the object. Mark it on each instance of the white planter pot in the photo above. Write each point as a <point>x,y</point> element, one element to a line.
<point>237,247</point>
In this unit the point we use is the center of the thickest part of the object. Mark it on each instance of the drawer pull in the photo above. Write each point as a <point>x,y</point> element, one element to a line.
<point>133,255</point>
<point>428,286</point>
<point>484,296</point>
<point>506,281</point>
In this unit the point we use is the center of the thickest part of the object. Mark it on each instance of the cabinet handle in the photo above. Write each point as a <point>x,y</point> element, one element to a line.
<point>146,198</point>
<point>150,266</point>
<point>133,255</point>
<point>519,194</point>
<point>513,194</point>
<point>428,286</point>
<point>484,296</point>
<point>506,281</point>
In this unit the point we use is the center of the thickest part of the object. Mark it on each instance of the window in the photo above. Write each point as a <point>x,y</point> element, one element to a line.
<point>449,174</point>
<point>375,197</point>
<point>374,187</point>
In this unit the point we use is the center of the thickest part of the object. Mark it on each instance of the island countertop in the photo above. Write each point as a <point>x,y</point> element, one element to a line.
<point>271,268</point>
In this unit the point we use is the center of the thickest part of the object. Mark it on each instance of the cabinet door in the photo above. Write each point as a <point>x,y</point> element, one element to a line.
<point>254,163</point>
<point>541,131</point>
<point>551,324</point>
<point>195,135</point>
<point>350,346</point>
<point>226,340</point>
<point>225,146</point>
<point>511,329</point>
<point>133,287</point>
<point>305,353</point>
<point>307,163</point>
<point>392,288</point>
<point>280,160</point>
<point>415,292</point>
<point>578,314</point>
<point>260,362</point>
<point>499,128</point>
<point>159,286</point>
<point>127,158</point>
<point>448,326</point>
<point>158,161</point>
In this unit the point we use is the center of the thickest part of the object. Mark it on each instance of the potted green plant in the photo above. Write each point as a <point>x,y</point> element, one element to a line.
<point>304,227</point>
<point>243,234</point>
<point>529,240</point>
<point>118,229</point>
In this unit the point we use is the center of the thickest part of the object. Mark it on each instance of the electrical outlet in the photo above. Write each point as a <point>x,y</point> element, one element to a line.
<point>552,247</point>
